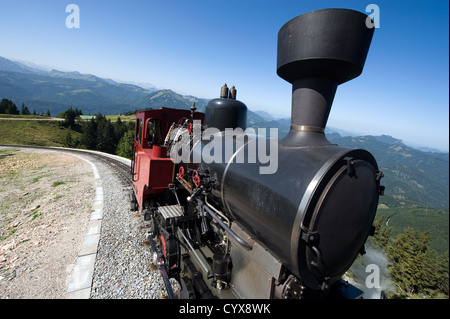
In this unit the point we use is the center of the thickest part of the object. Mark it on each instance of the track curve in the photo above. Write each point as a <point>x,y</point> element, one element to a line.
<point>121,267</point>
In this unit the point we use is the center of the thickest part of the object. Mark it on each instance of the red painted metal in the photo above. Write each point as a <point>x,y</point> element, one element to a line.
<point>153,169</point>
<point>196,179</point>
<point>181,172</point>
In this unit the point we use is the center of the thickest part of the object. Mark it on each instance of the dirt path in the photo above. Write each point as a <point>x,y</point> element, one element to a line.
<point>45,205</point>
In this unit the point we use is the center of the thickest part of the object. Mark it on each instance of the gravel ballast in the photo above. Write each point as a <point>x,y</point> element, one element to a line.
<point>38,254</point>
<point>123,269</point>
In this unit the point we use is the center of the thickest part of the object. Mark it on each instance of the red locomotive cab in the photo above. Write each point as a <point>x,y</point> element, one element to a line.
<point>152,168</point>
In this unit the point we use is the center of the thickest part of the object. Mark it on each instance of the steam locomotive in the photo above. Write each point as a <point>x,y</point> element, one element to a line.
<point>226,219</point>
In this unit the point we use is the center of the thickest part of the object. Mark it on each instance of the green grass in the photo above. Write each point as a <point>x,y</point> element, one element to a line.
<point>17,116</point>
<point>8,152</point>
<point>36,179</point>
<point>123,118</point>
<point>58,183</point>
<point>33,132</point>
<point>9,235</point>
<point>36,214</point>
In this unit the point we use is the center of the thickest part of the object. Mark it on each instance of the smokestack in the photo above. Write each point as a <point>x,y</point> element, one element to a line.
<point>317,51</point>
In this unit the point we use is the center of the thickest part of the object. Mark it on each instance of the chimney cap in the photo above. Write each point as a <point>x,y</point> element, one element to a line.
<point>328,43</point>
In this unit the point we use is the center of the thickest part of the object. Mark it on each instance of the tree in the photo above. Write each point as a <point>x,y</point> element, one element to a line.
<point>3,105</point>
<point>120,128</point>
<point>443,276</point>
<point>382,232</point>
<point>69,117</point>
<point>8,107</point>
<point>68,142</point>
<point>102,135</point>
<point>415,267</point>
<point>125,146</point>
<point>12,109</point>
<point>105,136</point>
<point>89,137</point>
<point>25,110</point>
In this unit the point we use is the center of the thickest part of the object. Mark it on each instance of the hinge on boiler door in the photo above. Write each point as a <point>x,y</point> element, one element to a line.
<point>311,238</point>
<point>378,177</point>
<point>312,241</point>
<point>350,168</point>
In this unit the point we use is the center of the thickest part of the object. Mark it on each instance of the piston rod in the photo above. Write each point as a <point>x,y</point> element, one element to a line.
<point>233,235</point>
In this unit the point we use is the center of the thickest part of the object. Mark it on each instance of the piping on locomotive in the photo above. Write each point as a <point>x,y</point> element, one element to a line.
<point>223,229</point>
<point>223,145</point>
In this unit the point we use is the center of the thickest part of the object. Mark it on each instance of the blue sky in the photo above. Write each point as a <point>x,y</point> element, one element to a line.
<point>194,47</point>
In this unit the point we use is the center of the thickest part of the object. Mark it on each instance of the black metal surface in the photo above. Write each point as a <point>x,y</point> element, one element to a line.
<point>196,279</point>
<point>328,43</point>
<point>220,266</point>
<point>311,101</point>
<point>341,212</point>
<point>313,190</point>
<point>226,112</point>
<point>233,235</point>
<point>274,207</point>
<point>317,51</point>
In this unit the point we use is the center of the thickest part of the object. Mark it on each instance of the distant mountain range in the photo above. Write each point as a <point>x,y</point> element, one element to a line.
<point>57,91</point>
<point>412,177</point>
<point>43,90</point>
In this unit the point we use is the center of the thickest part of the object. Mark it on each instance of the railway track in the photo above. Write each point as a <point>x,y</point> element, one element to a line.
<point>120,165</point>
<point>117,270</point>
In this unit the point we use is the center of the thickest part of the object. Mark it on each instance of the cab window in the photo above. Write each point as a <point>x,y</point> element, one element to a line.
<point>154,132</point>
<point>138,132</point>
